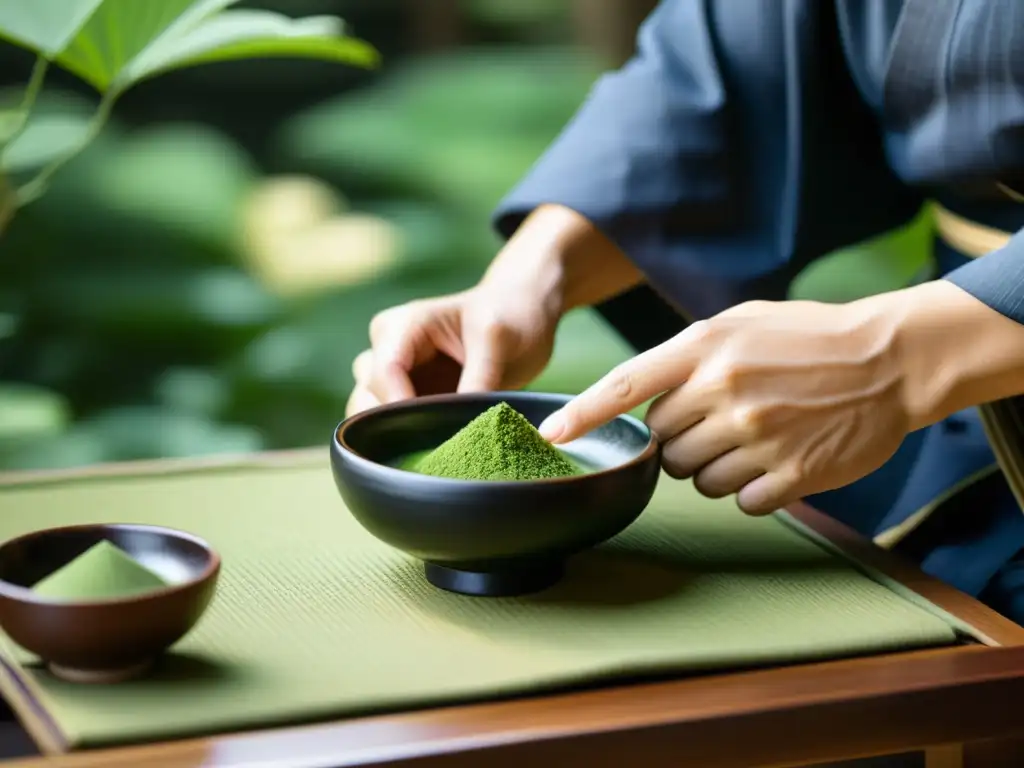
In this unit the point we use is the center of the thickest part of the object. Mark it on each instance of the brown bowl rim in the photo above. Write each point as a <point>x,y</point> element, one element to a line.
<point>649,451</point>
<point>27,595</point>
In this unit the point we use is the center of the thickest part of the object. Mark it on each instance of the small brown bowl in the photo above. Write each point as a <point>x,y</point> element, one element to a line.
<point>110,640</point>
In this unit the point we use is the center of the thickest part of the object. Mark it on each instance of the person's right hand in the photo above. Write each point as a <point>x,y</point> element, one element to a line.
<point>484,339</point>
<point>499,334</point>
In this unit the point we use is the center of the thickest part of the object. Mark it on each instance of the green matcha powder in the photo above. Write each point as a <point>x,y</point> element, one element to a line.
<point>101,572</point>
<point>499,444</point>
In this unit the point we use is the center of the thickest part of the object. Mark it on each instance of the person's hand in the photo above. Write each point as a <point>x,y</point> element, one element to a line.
<point>481,340</point>
<point>773,401</point>
<point>499,334</point>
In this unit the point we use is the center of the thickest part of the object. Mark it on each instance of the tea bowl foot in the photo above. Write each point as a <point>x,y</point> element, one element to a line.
<point>506,581</point>
<point>100,676</point>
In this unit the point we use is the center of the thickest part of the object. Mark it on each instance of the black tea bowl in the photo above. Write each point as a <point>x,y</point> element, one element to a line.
<point>489,538</point>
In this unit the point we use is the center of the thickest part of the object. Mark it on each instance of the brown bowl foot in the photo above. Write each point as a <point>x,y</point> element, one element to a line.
<point>508,581</point>
<point>99,676</point>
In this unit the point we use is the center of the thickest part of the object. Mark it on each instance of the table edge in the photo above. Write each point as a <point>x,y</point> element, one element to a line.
<point>929,696</point>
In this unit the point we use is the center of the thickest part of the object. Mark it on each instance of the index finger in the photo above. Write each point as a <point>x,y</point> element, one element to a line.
<point>626,386</point>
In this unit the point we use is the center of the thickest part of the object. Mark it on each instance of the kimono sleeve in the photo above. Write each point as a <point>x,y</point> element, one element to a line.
<point>732,150</point>
<point>996,279</point>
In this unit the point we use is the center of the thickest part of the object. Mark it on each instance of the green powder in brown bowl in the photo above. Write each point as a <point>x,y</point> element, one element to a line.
<point>101,572</point>
<point>499,444</point>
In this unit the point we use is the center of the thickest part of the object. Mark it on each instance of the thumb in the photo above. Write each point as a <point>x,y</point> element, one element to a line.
<point>483,367</point>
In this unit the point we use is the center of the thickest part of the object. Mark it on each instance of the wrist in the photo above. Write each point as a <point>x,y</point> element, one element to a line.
<point>954,351</point>
<point>558,256</point>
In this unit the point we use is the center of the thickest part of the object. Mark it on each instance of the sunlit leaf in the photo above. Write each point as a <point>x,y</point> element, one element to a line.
<point>116,33</point>
<point>252,34</point>
<point>46,26</point>
<point>112,44</point>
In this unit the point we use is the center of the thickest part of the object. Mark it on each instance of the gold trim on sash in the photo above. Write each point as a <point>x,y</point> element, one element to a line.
<point>890,537</point>
<point>1011,193</point>
<point>973,240</point>
<point>1007,455</point>
<point>968,237</point>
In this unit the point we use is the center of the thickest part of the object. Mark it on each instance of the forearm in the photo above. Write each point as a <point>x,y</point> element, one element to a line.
<point>559,255</point>
<point>955,350</point>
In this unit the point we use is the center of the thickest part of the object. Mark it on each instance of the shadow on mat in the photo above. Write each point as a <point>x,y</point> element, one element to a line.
<point>610,579</point>
<point>191,670</point>
<point>172,670</point>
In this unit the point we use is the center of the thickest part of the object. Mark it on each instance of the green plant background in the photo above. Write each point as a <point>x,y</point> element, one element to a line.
<point>133,323</point>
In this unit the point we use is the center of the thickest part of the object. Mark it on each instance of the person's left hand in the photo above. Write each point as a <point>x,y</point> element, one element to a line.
<point>773,400</point>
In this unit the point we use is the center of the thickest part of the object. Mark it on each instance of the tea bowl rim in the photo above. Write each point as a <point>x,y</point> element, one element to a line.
<point>27,596</point>
<point>365,464</point>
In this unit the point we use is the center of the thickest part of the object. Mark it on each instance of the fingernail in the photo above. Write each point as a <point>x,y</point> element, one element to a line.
<point>552,427</point>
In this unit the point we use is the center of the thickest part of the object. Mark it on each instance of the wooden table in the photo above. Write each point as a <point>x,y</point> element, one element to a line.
<point>962,705</point>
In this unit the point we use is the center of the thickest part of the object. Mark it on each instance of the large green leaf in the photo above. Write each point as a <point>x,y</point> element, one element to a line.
<point>112,44</point>
<point>114,35</point>
<point>252,34</point>
<point>46,26</point>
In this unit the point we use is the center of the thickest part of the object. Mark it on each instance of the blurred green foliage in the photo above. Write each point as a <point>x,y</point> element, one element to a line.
<point>173,338</point>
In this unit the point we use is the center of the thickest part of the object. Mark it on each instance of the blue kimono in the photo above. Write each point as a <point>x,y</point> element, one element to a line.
<point>748,138</point>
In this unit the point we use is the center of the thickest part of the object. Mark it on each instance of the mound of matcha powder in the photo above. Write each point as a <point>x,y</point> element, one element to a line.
<point>103,571</point>
<point>499,444</point>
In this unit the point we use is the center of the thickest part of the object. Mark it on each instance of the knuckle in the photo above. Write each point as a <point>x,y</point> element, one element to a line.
<point>380,323</point>
<point>718,383</point>
<point>702,331</point>
<point>794,472</point>
<point>491,329</point>
<point>620,384</point>
<point>750,421</point>
<point>727,382</point>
